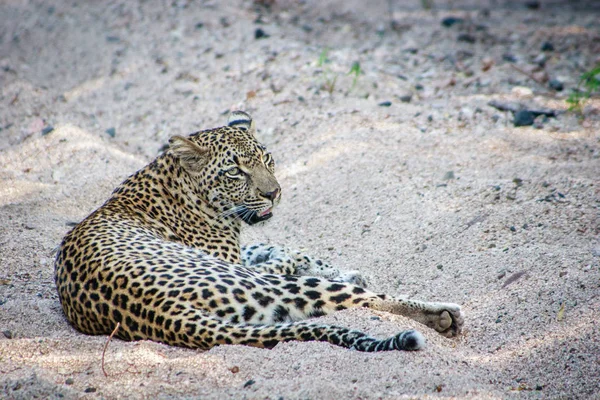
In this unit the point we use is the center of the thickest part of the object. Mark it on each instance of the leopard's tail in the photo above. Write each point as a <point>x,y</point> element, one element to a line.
<point>198,329</point>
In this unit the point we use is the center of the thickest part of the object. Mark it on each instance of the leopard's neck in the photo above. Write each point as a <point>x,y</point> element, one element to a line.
<point>163,193</point>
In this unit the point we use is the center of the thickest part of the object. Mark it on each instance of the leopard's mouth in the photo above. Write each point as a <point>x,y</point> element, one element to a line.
<point>252,217</point>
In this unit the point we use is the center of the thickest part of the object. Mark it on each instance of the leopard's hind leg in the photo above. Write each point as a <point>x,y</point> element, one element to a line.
<point>279,260</point>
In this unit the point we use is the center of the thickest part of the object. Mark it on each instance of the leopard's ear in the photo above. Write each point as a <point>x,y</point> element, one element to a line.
<point>192,156</point>
<point>241,120</point>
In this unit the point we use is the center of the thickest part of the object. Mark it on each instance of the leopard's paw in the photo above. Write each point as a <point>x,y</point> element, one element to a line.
<point>445,318</point>
<point>353,277</point>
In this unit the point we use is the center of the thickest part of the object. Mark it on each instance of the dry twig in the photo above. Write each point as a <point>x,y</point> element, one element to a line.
<point>106,346</point>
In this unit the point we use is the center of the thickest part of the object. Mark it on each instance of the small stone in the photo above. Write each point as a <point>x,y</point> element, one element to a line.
<point>540,59</point>
<point>385,104</point>
<point>47,130</point>
<point>440,267</point>
<point>522,91</point>
<point>249,383</point>
<point>260,34</point>
<point>487,63</point>
<point>113,39</point>
<point>199,25</point>
<point>448,176</point>
<point>512,229</point>
<point>418,86</point>
<point>375,318</point>
<point>539,121</point>
<point>555,84</point>
<point>532,4</point>
<point>111,132</point>
<point>465,37</point>
<point>69,381</point>
<point>518,182</point>
<point>405,97</point>
<point>90,390</point>
<point>523,118</point>
<point>547,46</point>
<point>509,57</point>
<point>449,21</point>
<point>7,334</point>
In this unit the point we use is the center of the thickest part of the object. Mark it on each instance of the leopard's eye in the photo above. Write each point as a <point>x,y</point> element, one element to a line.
<point>267,159</point>
<point>234,172</point>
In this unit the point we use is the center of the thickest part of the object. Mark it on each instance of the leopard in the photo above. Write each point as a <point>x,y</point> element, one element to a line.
<point>161,259</point>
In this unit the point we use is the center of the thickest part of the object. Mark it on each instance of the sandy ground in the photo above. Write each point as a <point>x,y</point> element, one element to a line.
<point>440,198</point>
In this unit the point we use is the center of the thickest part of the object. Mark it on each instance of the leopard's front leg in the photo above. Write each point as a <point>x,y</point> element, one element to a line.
<point>446,318</point>
<point>283,261</point>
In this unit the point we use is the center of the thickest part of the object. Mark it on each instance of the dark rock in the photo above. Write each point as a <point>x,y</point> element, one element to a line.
<point>405,97</point>
<point>449,21</point>
<point>7,334</point>
<point>112,132</point>
<point>524,118</point>
<point>307,28</point>
<point>418,86</point>
<point>113,39</point>
<point>411,50</point>
<point>555,84</point>
<point>199,25</point>
<point>47,130</point>
<point>260,34</point>
<point>249,383</point>
<point>532,4</point>
<point>547,46</point>
<point>385,104</point>
<point>516,107</point>
<point>69,381</point>
<point>90,390</point>
<point>465,37</point>
<point>509,57</point>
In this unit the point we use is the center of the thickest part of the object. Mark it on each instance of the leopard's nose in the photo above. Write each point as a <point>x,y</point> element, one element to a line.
<point>272,195</point>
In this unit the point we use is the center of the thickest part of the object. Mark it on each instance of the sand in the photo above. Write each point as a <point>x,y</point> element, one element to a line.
<point>440,198</point>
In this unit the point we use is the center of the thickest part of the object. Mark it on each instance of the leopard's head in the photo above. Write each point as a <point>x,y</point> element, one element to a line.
<point>229,169</point>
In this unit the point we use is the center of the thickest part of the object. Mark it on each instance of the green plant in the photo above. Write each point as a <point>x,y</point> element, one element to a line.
<point>356,71</point>
<point>330,77</point>
<point>590,81</point>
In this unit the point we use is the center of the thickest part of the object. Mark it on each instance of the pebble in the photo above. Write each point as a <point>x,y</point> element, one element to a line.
<point>449,21</point>
<point>111,132</point>
<point>523,118</point>
<point>405,97</point>
<point>260,34</point>
<point>69,381</point>
<point>385,104</point>
<point>7,334</point>
<point>465,37</point>
<point>522,91</point>
<point>90,390</point>
<point>547,46</point>
<point>47,130</point>
<point>555,84</point>
<point>540,59</point>
<point>539,121</point>
<point>448,175</point>
<point>509,57</point>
